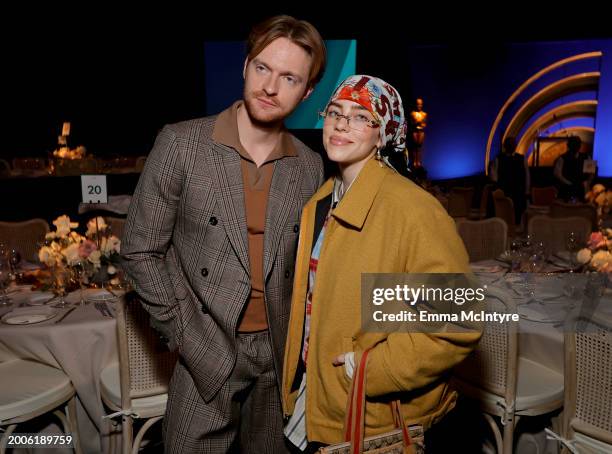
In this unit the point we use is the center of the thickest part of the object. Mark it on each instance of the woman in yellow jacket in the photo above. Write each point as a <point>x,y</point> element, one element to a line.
<point>369,219</point>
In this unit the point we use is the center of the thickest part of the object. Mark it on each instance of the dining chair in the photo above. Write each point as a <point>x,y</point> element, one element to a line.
<point>24,236</point>
<point>506,385</point>
<point>88,165</point>
<point>140,163</point>
<point>29,166</point>
<point>136,387</point>
<point>535,210</point>
<point>587,407</point>
<point>31,389</point>
<point>485,200</point>
<point>460,201</point>
<point>116,225</point>
<point>484,239</point>
<point>67,167</point>
<point>553,232</point>
<point>560,209</point>
<point>504,209</point>
<point>543,196</point>
<point>123,164</point>
<point>5,168</point>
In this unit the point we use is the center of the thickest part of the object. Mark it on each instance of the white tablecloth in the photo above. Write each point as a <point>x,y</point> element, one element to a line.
<point>81,345</point>
<point>541,328</point>
<point>541,324</point>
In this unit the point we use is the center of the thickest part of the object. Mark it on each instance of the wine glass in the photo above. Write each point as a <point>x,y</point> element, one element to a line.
<point>3,251</point>
<point>14,260</point>
<point>515,254</point>
<point>61,277</point>
<point>534,263</point>
<point>572,246</point>
<point>516,244</point>
<point>5,279</point>
<point>79,275</point>
<point>539,249</point>
<point>526,287</point>
<point>528,243</point>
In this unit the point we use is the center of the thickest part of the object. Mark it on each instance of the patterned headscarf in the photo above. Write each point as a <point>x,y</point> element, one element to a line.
<point>381,100</point>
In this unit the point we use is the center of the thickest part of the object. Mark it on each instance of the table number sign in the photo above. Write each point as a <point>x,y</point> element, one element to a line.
<point>94,188</point>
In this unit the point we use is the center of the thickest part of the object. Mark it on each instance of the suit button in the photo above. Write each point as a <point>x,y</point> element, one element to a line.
<point>164,339</point>
<point>213,221</point>
<point>204,272</point>
<point>204,309</point>
<point>287,274</point>
<point>296,228</point>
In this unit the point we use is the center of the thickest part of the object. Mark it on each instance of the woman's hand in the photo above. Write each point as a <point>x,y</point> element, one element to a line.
<point>338,360</point>
<point>348,360</point>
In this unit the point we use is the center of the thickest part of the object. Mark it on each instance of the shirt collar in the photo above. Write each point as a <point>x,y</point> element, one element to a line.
<point>226,133</point>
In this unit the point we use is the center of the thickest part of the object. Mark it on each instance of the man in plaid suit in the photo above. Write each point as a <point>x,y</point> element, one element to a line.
<point>210,242</point>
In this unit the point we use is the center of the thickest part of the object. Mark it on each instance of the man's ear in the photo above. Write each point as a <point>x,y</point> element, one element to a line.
<point>307,94</point>
<point>246,63</point>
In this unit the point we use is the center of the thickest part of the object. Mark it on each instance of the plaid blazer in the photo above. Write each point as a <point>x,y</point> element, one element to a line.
<point>185,247</point>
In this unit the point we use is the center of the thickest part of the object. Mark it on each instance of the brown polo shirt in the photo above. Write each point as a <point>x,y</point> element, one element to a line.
<point>256,182</point>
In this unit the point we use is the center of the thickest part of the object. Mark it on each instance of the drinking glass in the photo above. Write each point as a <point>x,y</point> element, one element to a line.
<point>572,246</point>
<point>5,280</point>
<point>61,277</point>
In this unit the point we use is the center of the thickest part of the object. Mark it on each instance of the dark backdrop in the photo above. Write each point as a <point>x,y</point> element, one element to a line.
<point>119,76</point>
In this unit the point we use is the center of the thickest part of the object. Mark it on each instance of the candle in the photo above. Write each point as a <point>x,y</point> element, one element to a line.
<point>66,128</point>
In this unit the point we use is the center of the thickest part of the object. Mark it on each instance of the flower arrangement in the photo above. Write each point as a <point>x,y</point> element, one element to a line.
<point>68,153</point>
<point>597,255</point>
<point>600,197</point>
<point>94,257</point>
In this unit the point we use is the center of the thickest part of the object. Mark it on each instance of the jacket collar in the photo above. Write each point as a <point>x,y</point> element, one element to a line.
<point>355,205</point>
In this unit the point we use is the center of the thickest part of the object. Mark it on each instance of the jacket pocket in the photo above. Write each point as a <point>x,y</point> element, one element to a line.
<point>347,347</point>
<point>347,344</point>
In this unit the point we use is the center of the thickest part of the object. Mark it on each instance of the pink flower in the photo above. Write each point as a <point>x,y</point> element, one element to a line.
<point>596,240</point>
<point>86,248</point>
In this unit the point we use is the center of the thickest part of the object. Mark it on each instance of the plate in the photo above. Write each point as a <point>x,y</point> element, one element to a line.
<point>102,296</point>
<point>92,295</point>
<point>505,257</point>
<point>40,298</point>
<point>564,255</point>
<point>27,318</point>
<point>19,288</point>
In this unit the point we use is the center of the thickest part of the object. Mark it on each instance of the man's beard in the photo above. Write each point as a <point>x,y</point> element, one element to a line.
<point>258,115</point>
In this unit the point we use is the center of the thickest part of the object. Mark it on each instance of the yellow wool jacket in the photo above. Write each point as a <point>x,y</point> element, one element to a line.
<point>384,224</point>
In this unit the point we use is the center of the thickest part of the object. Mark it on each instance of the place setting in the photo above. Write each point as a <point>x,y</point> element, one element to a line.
<point>29,315</point>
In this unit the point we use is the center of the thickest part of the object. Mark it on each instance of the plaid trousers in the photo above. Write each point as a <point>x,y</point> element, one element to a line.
<point>244,417</point>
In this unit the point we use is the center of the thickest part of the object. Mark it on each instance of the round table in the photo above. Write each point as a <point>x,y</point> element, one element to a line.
<point>81,345</point>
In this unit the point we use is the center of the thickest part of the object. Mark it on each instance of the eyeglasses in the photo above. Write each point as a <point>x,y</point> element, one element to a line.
<point>357,122</point>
